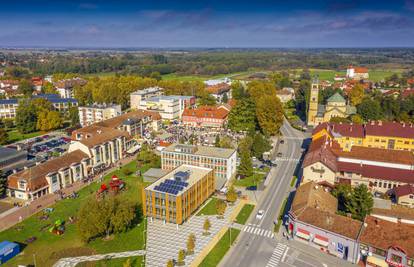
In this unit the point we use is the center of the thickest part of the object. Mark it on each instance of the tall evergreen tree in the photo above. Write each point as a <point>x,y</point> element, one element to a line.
<point>360,202</point>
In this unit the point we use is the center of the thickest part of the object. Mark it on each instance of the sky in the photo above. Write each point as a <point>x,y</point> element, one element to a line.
<point>200,23</point>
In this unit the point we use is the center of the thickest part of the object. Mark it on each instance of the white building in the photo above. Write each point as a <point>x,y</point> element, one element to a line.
<point>140,95</point>
<point>97,112</point>
<point>221,160</point>
<point>169,107</point>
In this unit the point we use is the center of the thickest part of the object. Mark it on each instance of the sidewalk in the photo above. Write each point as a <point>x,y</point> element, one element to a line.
<point>71,262</point>
<point>39,204</point>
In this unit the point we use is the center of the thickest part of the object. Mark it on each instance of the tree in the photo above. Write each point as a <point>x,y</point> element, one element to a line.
<point>269,112</point>
<point>217,141</point>
<point>127,263</point>
<point>360,202</point>
<point>357,119</point>
<point>74,116</point>
<point>225,142</point>
<point>26,117</point>
<point>48,88</point>
<point>147,156</point>
<point>369,109</point>
<point>225,98</point>
<point>3,184</point>
<point>260,145</point>
<point>246,165</point>
<point>302,97</point>
<point>170,263</point>
<point>3,133</point>
<point>343,193</point>
<point>156,75</point>
<point>191,244</point>
<point>243,116</point>
<point>105,216</point>
<point>48,120</point>
<point>26,88</point>
<point>207,100</point>
<point>237,90</point>
<point>356,95</point>
<point>181,257</point>
<point>220,207</point>
<point>231,195</point>
<point>206,226</point>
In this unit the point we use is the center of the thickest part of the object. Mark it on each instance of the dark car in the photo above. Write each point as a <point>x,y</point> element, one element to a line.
<point>282,141</point>
<point>251,188</point>
<point>279,154</point>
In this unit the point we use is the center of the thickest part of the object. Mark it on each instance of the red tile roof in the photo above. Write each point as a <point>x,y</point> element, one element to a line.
<point>375,128</point>
<point>403,190</point>
<point>390,129</point>
<point>207,112</point>
<point>384,234</point>
<point>220,88</point>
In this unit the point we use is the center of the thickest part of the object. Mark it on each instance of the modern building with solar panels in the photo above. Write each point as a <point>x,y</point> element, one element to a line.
<point>175,196</point>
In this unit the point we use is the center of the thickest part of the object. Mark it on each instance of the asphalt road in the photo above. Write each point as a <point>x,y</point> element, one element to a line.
<point>254,249</point>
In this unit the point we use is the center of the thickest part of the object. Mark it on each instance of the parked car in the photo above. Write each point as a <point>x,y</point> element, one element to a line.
<point>279,154</point>
<point>282,141</point>
<point>251,188</point>
<point>260,214</point>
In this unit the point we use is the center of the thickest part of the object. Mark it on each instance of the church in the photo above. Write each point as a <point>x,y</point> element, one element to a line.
<point>336,106</point>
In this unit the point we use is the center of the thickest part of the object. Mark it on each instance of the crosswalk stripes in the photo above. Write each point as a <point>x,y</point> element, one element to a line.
<point>252,229</point>
<point>277,255</point>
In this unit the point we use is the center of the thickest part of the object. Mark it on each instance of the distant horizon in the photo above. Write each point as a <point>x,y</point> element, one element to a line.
<point>207,24</point>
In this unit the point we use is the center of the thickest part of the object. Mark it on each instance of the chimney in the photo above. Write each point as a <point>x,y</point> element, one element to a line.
<point>380,123</point>
<point>403,124</point>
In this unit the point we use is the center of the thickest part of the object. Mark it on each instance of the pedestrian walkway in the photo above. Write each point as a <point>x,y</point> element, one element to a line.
<point>253,229</point>
<point>278,255</point>
<point>71,262</point>
<point>165,240</point>
<point>287,159</point>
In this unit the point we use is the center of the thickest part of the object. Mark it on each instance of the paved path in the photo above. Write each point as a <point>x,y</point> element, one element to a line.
<point>71,262</point>
<point>165,240</point>
<point>39,204</point>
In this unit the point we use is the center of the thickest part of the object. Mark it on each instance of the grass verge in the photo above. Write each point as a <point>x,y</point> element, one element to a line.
<point>220,249</point>
<point>209,208</point>
<point>134,262</point>
<point>280,217</point>
<point>293,182</point>
<point>255,179</point>
<point>244,213</point>
<point>16,136</point>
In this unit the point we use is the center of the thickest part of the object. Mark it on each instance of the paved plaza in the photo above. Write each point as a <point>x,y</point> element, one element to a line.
<point>165,240</point>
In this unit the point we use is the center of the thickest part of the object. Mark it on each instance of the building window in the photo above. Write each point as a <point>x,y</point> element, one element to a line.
<point>379,251</point>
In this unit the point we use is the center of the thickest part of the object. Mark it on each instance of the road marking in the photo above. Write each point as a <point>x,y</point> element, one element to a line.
<point>284,255</point>
<point>277,255</point>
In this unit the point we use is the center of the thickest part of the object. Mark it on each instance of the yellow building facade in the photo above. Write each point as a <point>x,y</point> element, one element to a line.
<point>174,197</point>
<point>385,135</point>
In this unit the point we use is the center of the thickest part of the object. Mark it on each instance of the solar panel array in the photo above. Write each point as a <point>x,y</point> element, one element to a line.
<point>171,186</point>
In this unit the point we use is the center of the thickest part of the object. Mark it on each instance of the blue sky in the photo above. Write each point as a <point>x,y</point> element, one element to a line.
<point>200,23</point>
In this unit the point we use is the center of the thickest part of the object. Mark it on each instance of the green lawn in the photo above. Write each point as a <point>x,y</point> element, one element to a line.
<point>135,262</point>
<point>48,248</point>
<point>209,208</point>
<point>174,76</point>
<point>220,249</point>
<point>255,179</point>
<point>15,136</point>
<point>244,213</point>
<point>293,182</point>
<point>374,75</point>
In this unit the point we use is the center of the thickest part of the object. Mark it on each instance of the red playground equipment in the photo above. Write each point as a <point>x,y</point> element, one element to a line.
<point>115,185</point>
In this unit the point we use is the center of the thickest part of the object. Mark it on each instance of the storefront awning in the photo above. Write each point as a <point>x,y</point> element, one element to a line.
<point>302,234</point>
<point>373,261</point>
<point>321,240</point>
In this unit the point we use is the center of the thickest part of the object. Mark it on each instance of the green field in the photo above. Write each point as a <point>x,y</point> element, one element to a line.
<point>15,136</point>
<point>118,262</point>
<point>244,213</point>
<point>209,208</point>
<point>220,249</point>
<point>48,248</point>
<point>374,75</point>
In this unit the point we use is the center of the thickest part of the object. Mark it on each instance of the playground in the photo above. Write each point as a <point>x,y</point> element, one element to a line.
<point>52,233</point>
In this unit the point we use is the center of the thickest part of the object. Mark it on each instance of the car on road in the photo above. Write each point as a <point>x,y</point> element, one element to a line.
<point>251,188</point>
<point>279,154</point>
<point>260,214</point>
<point>282,141</point>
